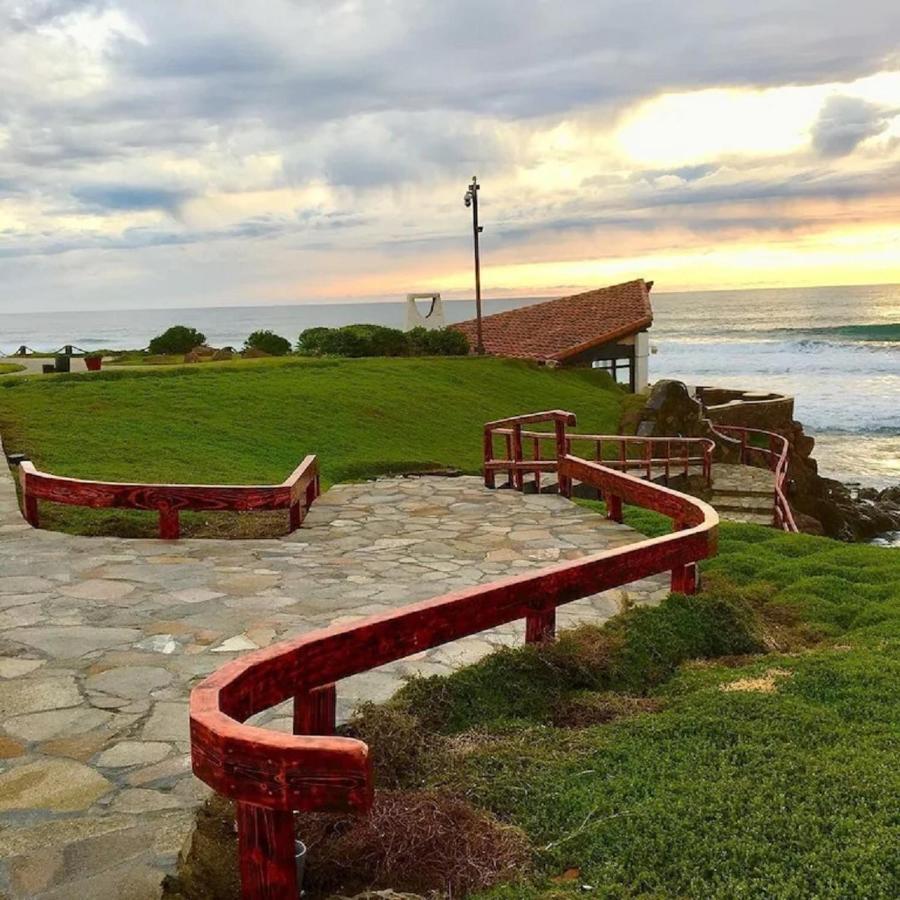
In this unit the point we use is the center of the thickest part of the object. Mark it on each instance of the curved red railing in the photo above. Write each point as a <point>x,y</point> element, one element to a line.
<point>776,453</point>
<point>296,493</point>
<point>271,774</point>
<point>657,455</point>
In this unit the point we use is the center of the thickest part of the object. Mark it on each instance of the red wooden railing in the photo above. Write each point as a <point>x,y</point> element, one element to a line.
<point>650,456</point>
<point>776,453</point>
<point>271,774</point>
<point>296,494</point>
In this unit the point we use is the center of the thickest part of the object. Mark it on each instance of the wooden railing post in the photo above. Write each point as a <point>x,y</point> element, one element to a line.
<point>613,507</point>
<point>266,847</point>
<point>29,501</point>
<point>169,526</point>
<point>510,473</point>
<point>295,517</point>
<point>518,476</point>
<point>684,579</point>
<point>315,711</point>
<point>31,510</point>
<point>537,471</point>
<point>489,480</point>
<point>540,625</point>
<point>565,485</point>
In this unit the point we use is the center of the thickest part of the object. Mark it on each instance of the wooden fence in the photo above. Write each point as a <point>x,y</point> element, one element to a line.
<point>270,774</point>
<point>774,449</point>
<point>651,457</point>
<point>295,494</point>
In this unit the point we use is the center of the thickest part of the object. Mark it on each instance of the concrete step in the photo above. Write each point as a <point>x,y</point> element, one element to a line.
<point>742,492</point>
<point>745,504</point>
<point>748,518</point>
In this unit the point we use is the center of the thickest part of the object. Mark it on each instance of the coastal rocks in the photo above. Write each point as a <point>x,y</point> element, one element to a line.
<point>821,505</point>
<point>671,410</point>
<point>845,516</point>
<point>838,511</point>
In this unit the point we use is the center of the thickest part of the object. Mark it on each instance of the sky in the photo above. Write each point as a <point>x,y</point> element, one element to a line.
<point>184,153</point>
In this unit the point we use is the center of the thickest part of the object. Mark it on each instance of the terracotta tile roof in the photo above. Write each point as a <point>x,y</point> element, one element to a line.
<point>560,328</point>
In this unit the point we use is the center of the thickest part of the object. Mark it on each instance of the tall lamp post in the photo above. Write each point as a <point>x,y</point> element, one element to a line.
<point>471,199</point>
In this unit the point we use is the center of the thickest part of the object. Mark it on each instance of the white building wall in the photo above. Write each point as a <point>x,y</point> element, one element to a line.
<point>641,361</point>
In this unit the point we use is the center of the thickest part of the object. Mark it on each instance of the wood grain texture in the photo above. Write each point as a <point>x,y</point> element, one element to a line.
<point>266,851</point>
<point>298,490</point>
<point>271,774</point>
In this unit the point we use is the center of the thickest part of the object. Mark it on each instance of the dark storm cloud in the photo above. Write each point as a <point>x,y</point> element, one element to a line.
<point>118,197</point>
<point>845,122</point>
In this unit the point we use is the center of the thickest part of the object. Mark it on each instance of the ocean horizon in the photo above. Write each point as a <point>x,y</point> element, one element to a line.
<point>835,349</point>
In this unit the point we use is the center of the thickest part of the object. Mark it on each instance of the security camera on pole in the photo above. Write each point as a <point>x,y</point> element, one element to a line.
<point>471,199</point>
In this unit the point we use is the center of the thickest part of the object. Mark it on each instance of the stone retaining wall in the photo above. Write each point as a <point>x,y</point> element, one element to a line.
<point>752,409</point>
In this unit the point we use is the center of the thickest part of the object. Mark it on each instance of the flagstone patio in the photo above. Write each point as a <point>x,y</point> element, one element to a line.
<point>101,640</point>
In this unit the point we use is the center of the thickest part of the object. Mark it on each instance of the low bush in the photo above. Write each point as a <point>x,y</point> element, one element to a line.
<point>268,342</point>
<point>438,342</point>
<point>310,340</point>
<point>177,339</point>
<point>378,340</point>
<point>417,841</point>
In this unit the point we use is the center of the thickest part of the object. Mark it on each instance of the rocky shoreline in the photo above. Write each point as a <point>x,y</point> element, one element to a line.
<point>821,505</point>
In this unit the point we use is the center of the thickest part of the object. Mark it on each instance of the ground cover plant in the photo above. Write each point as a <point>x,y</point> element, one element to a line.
<point>764,764</point>
<point>738,743</point>
<point>252,421</point>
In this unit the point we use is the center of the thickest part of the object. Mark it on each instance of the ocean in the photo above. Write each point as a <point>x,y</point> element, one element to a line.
<point>835,349</point>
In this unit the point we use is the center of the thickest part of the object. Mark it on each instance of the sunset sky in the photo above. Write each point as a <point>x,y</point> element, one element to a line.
<point>194,153</point>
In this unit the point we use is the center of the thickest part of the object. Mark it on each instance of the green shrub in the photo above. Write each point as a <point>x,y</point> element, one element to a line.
<point>438,342</point>
<point>268,342</point>
<point>378,340</point>
<point>177,339</point>
<point>310,340</point>
<point>364,340</point>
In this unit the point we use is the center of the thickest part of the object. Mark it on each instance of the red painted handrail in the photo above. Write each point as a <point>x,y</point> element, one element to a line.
<point>271,774</point>
<point>777,455</point>
<point>665,453</point>
<point>296,494</point>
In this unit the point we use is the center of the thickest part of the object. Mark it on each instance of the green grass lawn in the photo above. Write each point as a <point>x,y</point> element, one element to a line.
<point>787,786</point>
<point>252,421</point>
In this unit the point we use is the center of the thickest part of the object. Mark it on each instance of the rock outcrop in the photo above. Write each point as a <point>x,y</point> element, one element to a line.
<point>821,505</point>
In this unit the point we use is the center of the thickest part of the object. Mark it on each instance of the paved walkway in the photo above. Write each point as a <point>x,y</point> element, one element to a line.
<point>102,638</point>
<point>35,365</point>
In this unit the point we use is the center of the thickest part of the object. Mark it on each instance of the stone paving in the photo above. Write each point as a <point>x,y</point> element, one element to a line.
<point>102,638</point>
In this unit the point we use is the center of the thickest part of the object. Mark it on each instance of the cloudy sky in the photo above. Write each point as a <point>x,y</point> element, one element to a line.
<point>186,153</point>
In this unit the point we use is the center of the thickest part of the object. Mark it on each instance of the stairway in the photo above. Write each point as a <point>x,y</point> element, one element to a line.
<point>743,493</point>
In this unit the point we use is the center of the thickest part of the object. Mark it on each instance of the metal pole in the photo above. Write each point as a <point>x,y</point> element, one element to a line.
<point>472,199</point>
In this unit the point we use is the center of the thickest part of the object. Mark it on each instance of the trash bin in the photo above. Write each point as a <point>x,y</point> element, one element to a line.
<point>93,363</point>
<point>63,364</point>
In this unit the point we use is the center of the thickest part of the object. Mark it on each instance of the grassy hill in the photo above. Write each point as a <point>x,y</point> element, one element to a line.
<point>253,421</point>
